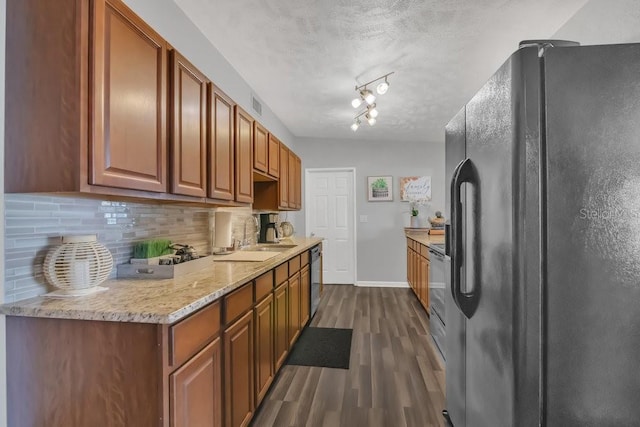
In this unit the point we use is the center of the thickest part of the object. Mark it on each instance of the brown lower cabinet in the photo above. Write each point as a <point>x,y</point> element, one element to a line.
<point>305,295</point>
<point>294,308</point>
<point>195,389</point>
<point>265,365</point>
<point>238,367</point>
<point>211,368</point>
<point>281,334</point>
<point>418,271</point>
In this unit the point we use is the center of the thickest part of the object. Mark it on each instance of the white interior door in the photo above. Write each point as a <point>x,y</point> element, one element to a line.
<point>330,213</point>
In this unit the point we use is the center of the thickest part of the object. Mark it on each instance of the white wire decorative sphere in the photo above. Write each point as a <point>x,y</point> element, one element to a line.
<point>78,265</point>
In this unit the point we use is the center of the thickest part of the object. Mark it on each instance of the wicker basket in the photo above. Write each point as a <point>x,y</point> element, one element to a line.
<point>78,265</point>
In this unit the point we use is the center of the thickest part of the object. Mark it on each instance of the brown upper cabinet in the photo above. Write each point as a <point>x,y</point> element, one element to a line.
<point>283,182</point>
<point>274,157</point>
<point>295,190</point>
<point>260,148</point>
<point>285,193</point>
<point>244,156</point>
<point>88,93</point>
<point>98,93</point>
<point>221,145</point>
<point>188,128</point>
<point>129,91</point>
<point>297,184</point>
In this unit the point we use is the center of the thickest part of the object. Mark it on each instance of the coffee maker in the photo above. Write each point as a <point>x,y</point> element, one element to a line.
<point>268,228</point>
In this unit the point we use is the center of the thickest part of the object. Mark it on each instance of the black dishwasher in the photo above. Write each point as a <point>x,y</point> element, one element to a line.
<point>316,261</point>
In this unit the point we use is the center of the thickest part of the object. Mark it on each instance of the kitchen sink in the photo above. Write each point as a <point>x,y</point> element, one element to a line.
<point>276,247</point>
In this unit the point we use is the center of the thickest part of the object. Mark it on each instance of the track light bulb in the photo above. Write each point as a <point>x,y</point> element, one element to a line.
<point>356,102</point>
<point>373,111</point>
<point>355,125</point>
<point>370,120</point>
<point>368,96</point>
<point>383,87</point>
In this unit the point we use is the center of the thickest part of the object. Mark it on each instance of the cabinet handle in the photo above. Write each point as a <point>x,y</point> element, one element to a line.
<point>466,302</point>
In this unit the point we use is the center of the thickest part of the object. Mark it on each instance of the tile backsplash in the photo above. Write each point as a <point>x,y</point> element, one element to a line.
<point>35,223</point>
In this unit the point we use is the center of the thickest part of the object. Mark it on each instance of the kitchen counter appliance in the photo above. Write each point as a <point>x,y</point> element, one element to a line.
<point>316,277</point>
<point>542,325</point>
<point>268,228</point>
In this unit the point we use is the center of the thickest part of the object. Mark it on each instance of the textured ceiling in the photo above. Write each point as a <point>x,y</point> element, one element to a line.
<point>303,58</point>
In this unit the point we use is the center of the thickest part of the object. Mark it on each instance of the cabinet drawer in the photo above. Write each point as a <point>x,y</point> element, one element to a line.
<point>264,285</point>
<point>282,273</point>
<point>294,265</point>
<point>193,333</point>
<point>304,258</point>
<point>238,302</point>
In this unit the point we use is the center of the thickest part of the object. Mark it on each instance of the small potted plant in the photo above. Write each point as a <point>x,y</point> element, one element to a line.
<point>415,211</point>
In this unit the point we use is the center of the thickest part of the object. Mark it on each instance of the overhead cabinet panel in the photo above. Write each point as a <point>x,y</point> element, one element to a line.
<point>128,144</point>
<point>260,148</point>
<point>189,129</point>
<point>244,156</point>
<point>283,182</point>
<point>274,156</point>
<point>221,145</point>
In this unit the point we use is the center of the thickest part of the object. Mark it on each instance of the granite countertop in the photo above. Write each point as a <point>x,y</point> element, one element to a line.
<point>156,301</point>
<point>424,238</point>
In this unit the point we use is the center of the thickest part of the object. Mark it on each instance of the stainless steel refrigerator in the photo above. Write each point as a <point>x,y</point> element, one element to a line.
<point>543,308</point>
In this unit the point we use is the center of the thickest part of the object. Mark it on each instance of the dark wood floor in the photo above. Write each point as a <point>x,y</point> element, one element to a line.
<point>395,377</point>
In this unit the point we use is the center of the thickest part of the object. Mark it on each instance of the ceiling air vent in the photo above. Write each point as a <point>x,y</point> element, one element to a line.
<point>257,106</point>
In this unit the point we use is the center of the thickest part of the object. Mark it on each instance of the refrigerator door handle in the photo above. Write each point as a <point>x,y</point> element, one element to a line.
<point>466,302</point>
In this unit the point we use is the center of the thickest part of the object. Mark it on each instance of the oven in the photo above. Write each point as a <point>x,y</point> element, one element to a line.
<point>437,296</point>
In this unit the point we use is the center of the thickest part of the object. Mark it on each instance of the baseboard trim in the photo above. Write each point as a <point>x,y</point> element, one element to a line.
<point>383,284</point>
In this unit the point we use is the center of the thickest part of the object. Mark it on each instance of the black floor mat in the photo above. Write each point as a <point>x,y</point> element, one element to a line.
<point>323,347</point>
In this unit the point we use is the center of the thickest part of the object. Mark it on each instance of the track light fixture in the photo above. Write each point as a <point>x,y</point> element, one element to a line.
<point>365,95</point>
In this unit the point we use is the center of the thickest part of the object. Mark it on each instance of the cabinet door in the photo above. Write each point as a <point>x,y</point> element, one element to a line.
<point>264,347</point>
<point>238,372</point>
<point>221,145</point>
<point>292,180</point>
<point>260,148</point>
<point>305,295</point>
<point>128,147</point>
<point>424,278</point>
<point>294,308</point>
<point>274,156</point>
<point>409,266</point>
<point>283,181</point>
<point>195,390</point>
<point>188,129</point>
<point>297,181</point>
<point>281,338</point>
<point>244,156</point>
<point>426,271</point>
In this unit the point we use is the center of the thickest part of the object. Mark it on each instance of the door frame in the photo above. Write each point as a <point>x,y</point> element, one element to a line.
<point>307,199</point>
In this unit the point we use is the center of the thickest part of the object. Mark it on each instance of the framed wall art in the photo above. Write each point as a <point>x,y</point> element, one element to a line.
<point>413,188</point>
<point>380,188</point>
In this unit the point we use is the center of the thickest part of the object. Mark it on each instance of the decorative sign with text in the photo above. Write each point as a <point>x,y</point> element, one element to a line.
<point>414,188</point>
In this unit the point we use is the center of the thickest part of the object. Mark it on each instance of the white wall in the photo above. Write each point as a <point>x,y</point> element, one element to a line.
<point>3,363</point>
<point>165,17</point>
<point>380,241</point>
<point>604,22</point>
